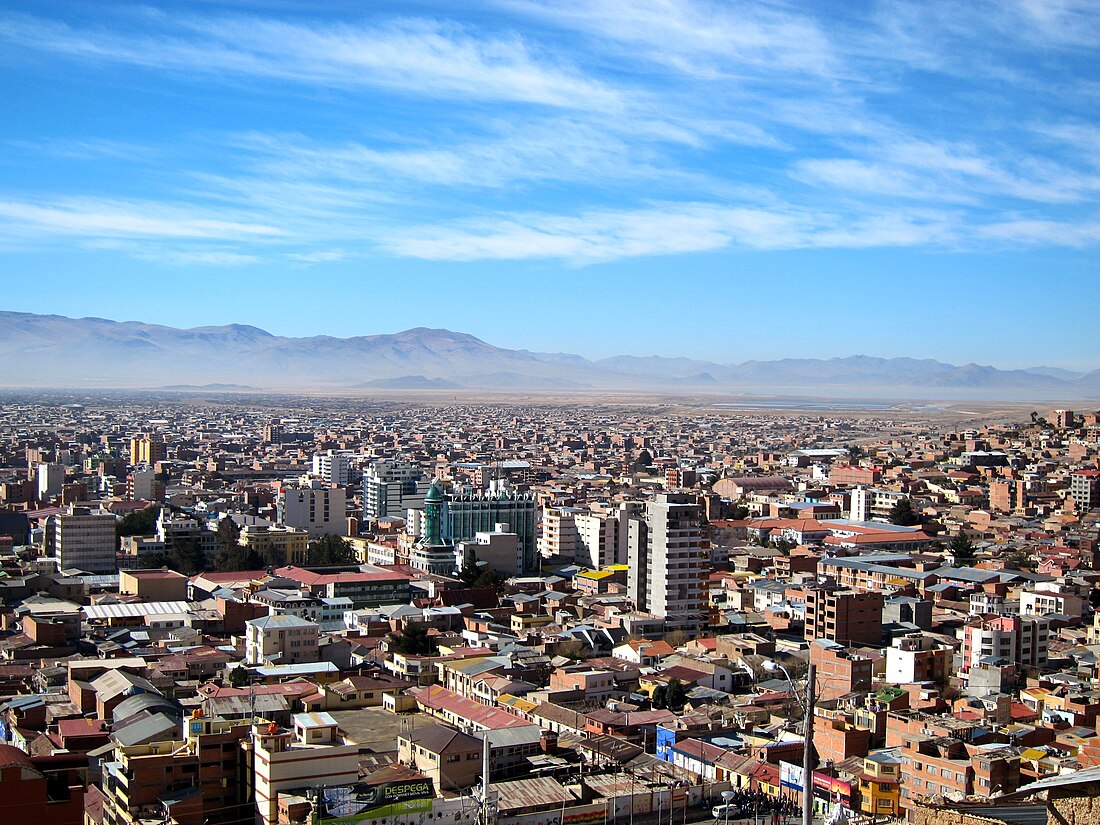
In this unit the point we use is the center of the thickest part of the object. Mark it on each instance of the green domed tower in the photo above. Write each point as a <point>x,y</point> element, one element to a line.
<point>433,515</point>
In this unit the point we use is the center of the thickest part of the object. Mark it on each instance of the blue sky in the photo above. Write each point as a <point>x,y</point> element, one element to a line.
<point>728,180</point>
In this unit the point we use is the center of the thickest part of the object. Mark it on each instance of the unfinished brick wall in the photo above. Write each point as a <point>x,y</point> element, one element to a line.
<point>1074,810</point>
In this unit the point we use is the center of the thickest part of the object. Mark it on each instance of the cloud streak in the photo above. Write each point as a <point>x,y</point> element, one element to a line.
<point>408,55</point>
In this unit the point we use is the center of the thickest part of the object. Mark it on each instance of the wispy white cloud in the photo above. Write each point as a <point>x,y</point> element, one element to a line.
<point>704,39</point>
<point>665,229</point>
<point>411,55</point>
<point>114,219</point>
<point>319,256</point>
<point>1040,232</point>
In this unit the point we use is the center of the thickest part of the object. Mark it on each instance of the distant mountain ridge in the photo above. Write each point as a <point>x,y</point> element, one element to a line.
<point>53,350</point>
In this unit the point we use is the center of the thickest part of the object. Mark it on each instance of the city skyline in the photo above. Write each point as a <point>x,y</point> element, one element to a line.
<point>724,181</point>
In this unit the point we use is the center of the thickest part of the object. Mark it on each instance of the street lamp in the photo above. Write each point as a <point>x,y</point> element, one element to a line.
<point>726,797</point>
<point>807,734</point>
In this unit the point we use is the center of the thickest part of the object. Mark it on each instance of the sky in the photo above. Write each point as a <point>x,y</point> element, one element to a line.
<point>710,178</point>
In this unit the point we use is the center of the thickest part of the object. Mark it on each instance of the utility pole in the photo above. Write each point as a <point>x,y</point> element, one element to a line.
<point>807,748</point>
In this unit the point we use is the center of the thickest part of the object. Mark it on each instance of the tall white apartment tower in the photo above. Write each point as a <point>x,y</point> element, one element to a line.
<point>333,467</point>
<point>666,561</point>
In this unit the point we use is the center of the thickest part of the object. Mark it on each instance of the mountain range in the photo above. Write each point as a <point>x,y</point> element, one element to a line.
<point>56,351</point>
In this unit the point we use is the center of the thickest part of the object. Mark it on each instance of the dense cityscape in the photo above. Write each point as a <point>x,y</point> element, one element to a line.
<point>277,609</point>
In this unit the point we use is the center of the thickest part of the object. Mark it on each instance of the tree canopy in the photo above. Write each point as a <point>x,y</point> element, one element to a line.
<point>414,641</point>
<point>902,513</point>
<point>185,557</point>
<point>139,522</point>
<point>328,550</point>
<point>232,555</point>
<point>962,548</point>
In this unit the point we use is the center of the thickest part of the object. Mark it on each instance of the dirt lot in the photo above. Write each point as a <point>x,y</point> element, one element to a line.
<point>376,728</point>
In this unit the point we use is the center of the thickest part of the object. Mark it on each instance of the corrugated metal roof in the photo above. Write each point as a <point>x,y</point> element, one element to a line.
<point>1061,781</point>
<point>132,609</point>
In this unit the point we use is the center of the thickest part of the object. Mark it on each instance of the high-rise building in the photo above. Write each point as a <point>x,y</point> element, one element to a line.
<point>1007,494</point>
<point>603,533</point>
<point>1018,640</point>
<point>1084,486</point>
<point>872,503</point>
<point>333,467</point>
<point>82,538</point>
<point>51,478</point>
<point>392,487</point>
<point>467,512</point>
<point>311,505</point>
<point>147,448</point>
<point>142,485</point>
<point>844,616</point>
<point>558,533</point>
<point>666,551</point>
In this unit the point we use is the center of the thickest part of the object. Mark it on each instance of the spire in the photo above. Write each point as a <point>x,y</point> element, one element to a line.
<point>433,515</point>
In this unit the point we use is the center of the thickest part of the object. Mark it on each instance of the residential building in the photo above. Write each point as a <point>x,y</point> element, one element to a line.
<point>142,485</point>
<point>147,448</point>
<point>51,478</point>
<point>81,538</point>
<point>1007,495</point>
<point>498,551</point>
<point>1018,640</point>
<point>666,561</point>
<point>840,670</point>
<point>1084,487</point>
<point>312,505</point>
<point>603,533</point>
<point>843,616</point>
<point>880,784</point>
<point>281,639</point>
<point>450,758</point>
<point>1055,597</point>
<point>310,753</point>
<point>173,528</point>
<point>333,467</point>
<point>191,775</point>
<point>46,789</point>
<point>873,503</point>
<point>390,488</point>
<point>917,658</point>
<point>558,534</point>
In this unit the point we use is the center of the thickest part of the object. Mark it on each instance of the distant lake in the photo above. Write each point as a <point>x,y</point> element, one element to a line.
<point>809,405</point>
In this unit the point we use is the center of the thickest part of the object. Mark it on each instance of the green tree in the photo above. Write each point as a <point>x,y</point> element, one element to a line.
<point>470,571</point>
<point>229,534</point>
<point>139,522</point>
<point>738,512</point>
<point>329,550</point>
<point>185,557</point>
<point>902,513</point>
<point>239,558</point>
<point>489,579</point>
<point>659,699</point>
<point>676,695</point>
<point>962,548</point>
<point>414,641</point>
<point>238,677</point>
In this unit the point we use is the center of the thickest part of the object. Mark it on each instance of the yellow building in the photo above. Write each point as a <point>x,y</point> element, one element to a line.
<point>880,784</point>
<point>278,545</point>
<point>147,449</point>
